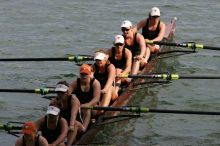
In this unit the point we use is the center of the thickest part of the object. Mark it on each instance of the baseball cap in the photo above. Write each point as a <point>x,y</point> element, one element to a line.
<point>86,69</point>
<point>119,39</point>
<point>99,56</point>
<point>53,110</point>
<point>61,88</point>
<point>28,128</point>
<point>126,24</point>
<point>155,11</point>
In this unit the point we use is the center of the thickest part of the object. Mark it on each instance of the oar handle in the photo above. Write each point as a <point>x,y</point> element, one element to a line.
<point>9,127</point>
<point>169,76</point>
<point>146,110</point>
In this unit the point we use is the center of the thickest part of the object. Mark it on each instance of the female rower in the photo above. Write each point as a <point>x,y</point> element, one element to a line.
<point>104,72</point>
<point>69,106</point>
<point>87,90</point>
<point>30,137</point>
<point>136,43</point>
<point>121,58</point>
<point>152,28</point>
<point>53,127</point>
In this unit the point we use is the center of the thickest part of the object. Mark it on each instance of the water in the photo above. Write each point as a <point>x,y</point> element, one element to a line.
<point>55,28</point>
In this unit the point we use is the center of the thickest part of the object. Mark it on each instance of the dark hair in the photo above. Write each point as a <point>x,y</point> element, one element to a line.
<point>63,83</point>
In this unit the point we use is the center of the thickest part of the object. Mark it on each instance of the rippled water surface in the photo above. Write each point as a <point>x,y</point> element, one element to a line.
<point>43,28</point>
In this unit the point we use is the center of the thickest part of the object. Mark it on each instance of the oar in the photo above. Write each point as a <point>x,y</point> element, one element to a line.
<point>191,45</point>
<point>75,58</point>
<point>149,110</point>
<point>170,76</point>
<point>9,126</point>
<point>42,91</point>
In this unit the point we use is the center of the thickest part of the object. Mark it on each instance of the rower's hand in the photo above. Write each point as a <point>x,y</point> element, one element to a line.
<point>71,128</point>
<point>147,40</point>
<point>104,91</point>
<point>138,57</point>
<point>84,105</point>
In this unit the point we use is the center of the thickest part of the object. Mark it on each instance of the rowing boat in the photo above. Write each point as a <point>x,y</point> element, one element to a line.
<point>126,97</point>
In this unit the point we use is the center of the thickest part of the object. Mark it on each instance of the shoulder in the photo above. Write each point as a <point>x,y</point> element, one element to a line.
<point>162,24</point>
<point>127,52</point>
<point>109,52</point>
<point>73,83</point>
<point>95,83</point>
<point>18,141</point>
<point>139,37</point>
<point>111,67</point>
<point>74,100</point>
<point>42,141</point>
<point>63,121</point>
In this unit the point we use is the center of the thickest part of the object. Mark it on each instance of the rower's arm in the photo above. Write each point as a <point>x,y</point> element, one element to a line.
<point>141,24</point>
<point>142,45</point>
<point>75,104</point>
<point>96,93</point>
<point>128,56</point>
<point>39,123</point>
<point>111,76</point>
<point>72,87</point>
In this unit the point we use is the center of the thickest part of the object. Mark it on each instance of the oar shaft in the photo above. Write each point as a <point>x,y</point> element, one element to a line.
<point>211,48</point>
<point>198,77</point>
<point>42,91</point>
<point>148,110</point>
<point>71,58</point>
<point>171,76</point>
<point>183,112</point>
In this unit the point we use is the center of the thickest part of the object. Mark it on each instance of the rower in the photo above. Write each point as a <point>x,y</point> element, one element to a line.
<point>152,28</point>
<point>30,137</point>
<point>53,127</point>
<point>69,107</point>
<point>135,42</point>
<point>104,72</point>
<point>87,90</point>
<point>121,58</point>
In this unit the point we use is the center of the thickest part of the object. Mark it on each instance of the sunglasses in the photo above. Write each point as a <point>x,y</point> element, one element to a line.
<point>119,44</point>
<point>155,17</point>
<point>59,92</point>
<point>83,74</point>
<point>123,29</point>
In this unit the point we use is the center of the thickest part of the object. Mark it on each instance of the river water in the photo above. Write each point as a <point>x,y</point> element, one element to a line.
<point>44,28</point>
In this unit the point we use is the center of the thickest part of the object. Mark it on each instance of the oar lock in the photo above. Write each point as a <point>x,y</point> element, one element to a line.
<point>78,58</point>
<point>42,91</point>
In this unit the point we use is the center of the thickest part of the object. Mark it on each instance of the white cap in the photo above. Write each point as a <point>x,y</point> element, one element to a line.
<point>61,88</point>
<point>53,110</point>
<point>119,39</point>
<point>126,24</point>
<point>99,56</point>
<point>155,11</point>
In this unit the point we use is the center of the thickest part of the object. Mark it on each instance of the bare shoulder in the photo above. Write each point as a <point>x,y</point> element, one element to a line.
<point>109,52</point>
<point>18,142</point>
<point>162,24</point>
<point>111,67</point>
<point>74,100</point>
<point>139,37</point>
<point>43,141</point>
<point>96,83</point>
